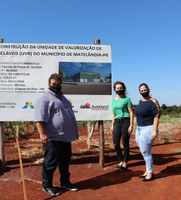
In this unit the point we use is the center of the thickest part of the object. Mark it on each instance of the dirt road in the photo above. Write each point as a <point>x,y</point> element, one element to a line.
<point>94,182</point>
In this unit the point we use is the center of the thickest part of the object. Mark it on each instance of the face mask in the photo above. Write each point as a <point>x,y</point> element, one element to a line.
<point>145,94</point>
<point>120,92</point>
<point>56,88</point>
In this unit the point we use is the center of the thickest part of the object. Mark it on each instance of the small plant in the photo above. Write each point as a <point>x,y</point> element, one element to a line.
<point>83,123</point>
<point>25,128</point>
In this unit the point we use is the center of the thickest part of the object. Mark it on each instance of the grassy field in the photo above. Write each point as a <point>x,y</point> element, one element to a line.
<point>28,128</point>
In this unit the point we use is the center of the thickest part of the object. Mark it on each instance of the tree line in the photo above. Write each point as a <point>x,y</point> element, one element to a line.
<point>168,110</point>
<point>171,110</point>
<point>28,128</point>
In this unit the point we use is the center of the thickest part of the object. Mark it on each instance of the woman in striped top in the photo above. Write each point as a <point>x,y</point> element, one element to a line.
<point>147,114</point>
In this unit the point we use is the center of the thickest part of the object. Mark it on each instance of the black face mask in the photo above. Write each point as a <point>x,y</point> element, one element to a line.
<point>120,92</point>
<point>145,94</point>
<point>56,88</point>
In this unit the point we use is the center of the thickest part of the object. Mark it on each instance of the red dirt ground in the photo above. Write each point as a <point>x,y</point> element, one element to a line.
<point>94,182</point>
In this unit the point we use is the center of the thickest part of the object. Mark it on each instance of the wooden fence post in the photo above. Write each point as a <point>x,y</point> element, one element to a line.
<point>90,129</point>
<point>101,142</point>
<point>20,162</point>
<point>100,129</point>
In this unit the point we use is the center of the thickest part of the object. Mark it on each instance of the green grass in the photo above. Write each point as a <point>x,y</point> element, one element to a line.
<point>170,118</point>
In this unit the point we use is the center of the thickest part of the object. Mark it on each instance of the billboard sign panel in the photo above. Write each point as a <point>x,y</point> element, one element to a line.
<point>25,69</point>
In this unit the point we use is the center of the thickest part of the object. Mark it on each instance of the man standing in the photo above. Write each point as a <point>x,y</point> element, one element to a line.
<point>57,127</point>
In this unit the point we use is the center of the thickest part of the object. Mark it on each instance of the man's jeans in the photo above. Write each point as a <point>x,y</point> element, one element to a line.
<point>144,141</point>
<point>56,154</point>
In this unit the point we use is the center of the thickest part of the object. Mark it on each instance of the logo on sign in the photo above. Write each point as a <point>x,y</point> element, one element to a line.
<point>86,105</point>
<point>28,104</point>
<point>95,107</point>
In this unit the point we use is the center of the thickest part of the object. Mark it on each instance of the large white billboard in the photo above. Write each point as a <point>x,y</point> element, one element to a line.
<point>25,69</point>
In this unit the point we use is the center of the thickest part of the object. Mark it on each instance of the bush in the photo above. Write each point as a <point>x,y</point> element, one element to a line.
<point>25,129</point>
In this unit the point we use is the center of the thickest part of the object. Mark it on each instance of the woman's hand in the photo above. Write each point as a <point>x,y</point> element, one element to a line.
<point>154,134</point>
<point>130,129</point>
<point>111,129</point>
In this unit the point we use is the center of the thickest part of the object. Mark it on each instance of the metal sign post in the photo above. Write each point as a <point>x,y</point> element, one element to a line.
<point>2,157</point>
<point>100,131</point>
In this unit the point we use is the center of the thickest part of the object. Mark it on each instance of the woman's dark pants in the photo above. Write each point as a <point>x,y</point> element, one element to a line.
<point>120,130</point>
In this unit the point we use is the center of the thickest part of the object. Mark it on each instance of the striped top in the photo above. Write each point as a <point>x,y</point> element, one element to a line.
<point>147,111</point>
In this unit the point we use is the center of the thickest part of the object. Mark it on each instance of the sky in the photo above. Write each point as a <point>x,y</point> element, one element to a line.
<point>145,36</point>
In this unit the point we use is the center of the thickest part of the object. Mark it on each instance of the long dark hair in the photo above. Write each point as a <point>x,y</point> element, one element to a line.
<point>144,84</point>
